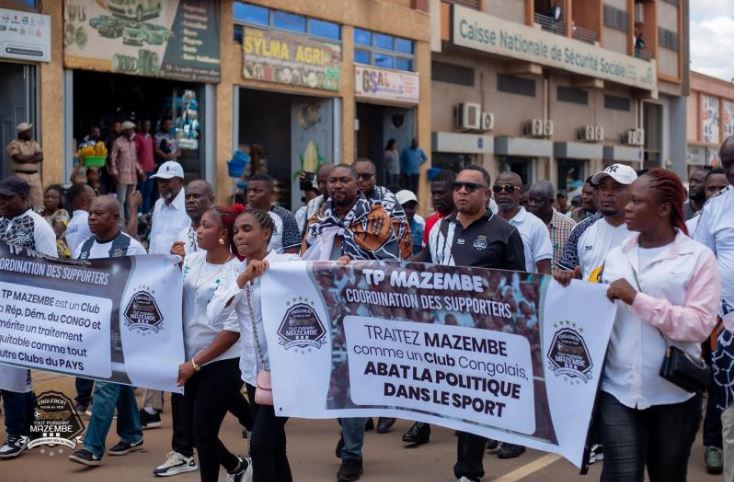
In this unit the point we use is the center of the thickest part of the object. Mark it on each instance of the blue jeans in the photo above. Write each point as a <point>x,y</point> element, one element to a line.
<point>18,412</point>
<point>658,438</point>
<point>146,190</point>
<point>106,397</point>
<point>353,434</point>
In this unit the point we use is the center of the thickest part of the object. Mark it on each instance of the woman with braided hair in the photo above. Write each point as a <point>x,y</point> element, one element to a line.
<point>238,300</point>
<point>666,287</point>
<point>211,374</point>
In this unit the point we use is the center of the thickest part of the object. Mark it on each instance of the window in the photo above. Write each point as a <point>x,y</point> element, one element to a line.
<point>382,50</point>
<point>616,102</point>
<point>248,14</point>
<point>453,74</point>
<point>516,85</point>
<point>31,5</point>
<point>289,21</point>
<point>668,39</point>
<point>571,95</point>
<point>615,18</point>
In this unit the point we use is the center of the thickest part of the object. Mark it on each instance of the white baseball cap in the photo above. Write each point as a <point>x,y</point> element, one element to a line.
<point>169,170</point>
<point>619,172</point>
<point>405,196</point>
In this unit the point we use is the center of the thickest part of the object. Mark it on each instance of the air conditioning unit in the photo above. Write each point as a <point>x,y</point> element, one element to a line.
<point>633,137</point>
<point>534,128</point>
<point>548,128</point>
<point>586,133</point>
<point>467,116</point>
<point>640,138</point>
<point>488,121</point>
<point>599,134</point>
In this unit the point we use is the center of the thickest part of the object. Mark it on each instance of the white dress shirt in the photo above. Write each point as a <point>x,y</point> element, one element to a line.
<point>167,222</point>
<point>536,240</point>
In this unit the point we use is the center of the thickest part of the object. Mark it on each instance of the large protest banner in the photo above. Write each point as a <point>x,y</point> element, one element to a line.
<point>508,355</point>
<point>114,319</point>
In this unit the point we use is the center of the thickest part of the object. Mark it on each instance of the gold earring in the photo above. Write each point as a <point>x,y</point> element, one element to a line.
<point>221,242</point>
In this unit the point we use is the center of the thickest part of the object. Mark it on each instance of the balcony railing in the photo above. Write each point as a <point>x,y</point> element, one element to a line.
<point>644,53</point>
<point>547,23</point>
<point>476,4</point>
<point>584,35</point>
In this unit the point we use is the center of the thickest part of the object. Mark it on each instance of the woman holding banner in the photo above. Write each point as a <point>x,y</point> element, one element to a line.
<point>211,375</point>
<point>666,287</point>
<point>238,300</point>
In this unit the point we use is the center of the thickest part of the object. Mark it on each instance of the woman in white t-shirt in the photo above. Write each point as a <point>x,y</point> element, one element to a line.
<point>666,287</point>
<point>211,374</point>
<point>239,300</point>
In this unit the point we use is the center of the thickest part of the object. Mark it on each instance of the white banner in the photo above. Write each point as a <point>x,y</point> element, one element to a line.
<point>114,319</point>
<point>510,356</point>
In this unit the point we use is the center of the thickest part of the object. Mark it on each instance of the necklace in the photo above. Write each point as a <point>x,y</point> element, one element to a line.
<point>197,284</point>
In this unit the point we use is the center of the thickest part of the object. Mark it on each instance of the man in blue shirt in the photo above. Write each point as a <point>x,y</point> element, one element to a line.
<point>408,200</point>
<point>411,159</point>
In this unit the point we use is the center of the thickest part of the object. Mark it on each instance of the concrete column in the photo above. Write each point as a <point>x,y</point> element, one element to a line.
<point>51,100</point>
<point>349,111</point>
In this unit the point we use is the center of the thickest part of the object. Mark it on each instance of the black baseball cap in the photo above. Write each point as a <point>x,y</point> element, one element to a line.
<point>14,185</point>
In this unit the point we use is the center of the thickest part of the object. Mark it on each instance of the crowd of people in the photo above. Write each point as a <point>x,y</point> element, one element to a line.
<point>666,259</point>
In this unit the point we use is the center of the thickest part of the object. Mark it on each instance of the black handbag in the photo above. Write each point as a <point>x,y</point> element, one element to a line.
<point>684,371</point>
<point>678,366</point>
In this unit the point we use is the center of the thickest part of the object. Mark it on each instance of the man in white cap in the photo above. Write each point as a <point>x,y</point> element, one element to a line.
<point>168,220</point>
<point>410,203</point>
<point>25,161</point>
<point>123,165</point>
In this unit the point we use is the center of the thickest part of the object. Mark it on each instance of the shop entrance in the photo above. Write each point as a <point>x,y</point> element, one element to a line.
<point>103,98</point>
<point>571,174</point>
<point>284,134</point>
<point>17,104</point>
<point>523,166</point>
<point>378,124</point>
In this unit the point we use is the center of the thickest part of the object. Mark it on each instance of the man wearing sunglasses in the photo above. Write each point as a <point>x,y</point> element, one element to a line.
<point>536,241</point>
<point>367,180</point>
<point>474,236</point>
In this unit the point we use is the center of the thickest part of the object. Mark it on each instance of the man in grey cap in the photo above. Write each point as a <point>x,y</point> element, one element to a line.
<point>123,165</point>
<point>25,161</point>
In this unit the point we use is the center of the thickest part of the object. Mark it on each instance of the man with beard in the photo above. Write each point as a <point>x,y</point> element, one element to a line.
<point>349,226</point>
<point>589,205</point>
<point>441,199</point>
<point>322,174</point>
<point>367,183</point>
<point>696,193</point>
<point>168,220</point>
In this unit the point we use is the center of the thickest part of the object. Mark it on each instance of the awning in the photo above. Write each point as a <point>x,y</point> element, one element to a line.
<point>461,143</point>
<point>523,146</point>
<point>577,150</point>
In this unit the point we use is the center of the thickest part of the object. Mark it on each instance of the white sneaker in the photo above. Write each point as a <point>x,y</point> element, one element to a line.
<point>175,464</point>
<point>245,474</point>
<point>464,479</point>
<point>13,447</point>
<point>596,454</point>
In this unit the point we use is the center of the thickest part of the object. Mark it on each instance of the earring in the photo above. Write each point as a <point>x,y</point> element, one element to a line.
<point>221,242</point>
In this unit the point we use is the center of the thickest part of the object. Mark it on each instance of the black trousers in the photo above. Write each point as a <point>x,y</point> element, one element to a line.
<point>658,439</point>
<point>198,415</point>
<point>470,451</point>
<point>268,444</point>
<point>84,388</point>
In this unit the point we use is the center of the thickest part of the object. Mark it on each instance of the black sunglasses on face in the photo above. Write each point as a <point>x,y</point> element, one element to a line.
<point>365,177</point>
<point>509,188</point>
<point>468,186</point>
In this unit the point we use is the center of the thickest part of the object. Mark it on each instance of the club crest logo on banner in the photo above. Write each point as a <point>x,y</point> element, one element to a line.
<point>568,354</point>
<point>55,422</point>
<point>301,327</point>
<point>142,312</point>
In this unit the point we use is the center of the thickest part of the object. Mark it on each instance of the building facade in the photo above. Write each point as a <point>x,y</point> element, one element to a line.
<point>293,83</point>
<point>558,89</point>
<point>709,119</point>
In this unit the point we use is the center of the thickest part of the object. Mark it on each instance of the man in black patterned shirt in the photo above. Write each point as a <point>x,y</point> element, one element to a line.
<point>286,237</point>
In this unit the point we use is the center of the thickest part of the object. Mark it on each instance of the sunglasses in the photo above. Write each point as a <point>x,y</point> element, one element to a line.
<point>365,177</point>
<point>509,188</point>
<point>468,186</point>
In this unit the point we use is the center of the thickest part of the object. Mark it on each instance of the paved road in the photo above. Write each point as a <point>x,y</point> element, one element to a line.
<point>311,452</point>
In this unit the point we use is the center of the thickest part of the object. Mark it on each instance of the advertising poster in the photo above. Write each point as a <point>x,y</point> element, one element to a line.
<point>25,36</point>
<point>710,119</point>
<point>173,39</point>
<point>384,84</point>
<point>291,59</point>
<point>511,356</point>
<point>113,319</point>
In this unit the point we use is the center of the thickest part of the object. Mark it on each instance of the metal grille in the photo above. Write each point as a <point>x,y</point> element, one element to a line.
<point>516,85</point>
<point>453,74</point>
<point>615,102</point>
<point>668,39</point>
<point>467,3</point>
<point>572,95</point>
<point>549,24</point>
<point>584,35</point>
<point>615,18</point>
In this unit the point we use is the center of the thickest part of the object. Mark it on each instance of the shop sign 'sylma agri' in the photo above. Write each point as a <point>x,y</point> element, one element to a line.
<point>173,39</point>
<point>290,59</point>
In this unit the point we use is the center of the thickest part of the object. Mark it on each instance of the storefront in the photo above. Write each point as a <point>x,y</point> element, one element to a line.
<point>25,41</point>
<point>171,49</point>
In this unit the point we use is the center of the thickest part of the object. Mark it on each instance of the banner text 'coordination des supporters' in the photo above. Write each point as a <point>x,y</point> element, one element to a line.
<point>112,319</point>
<point>508,355</point>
